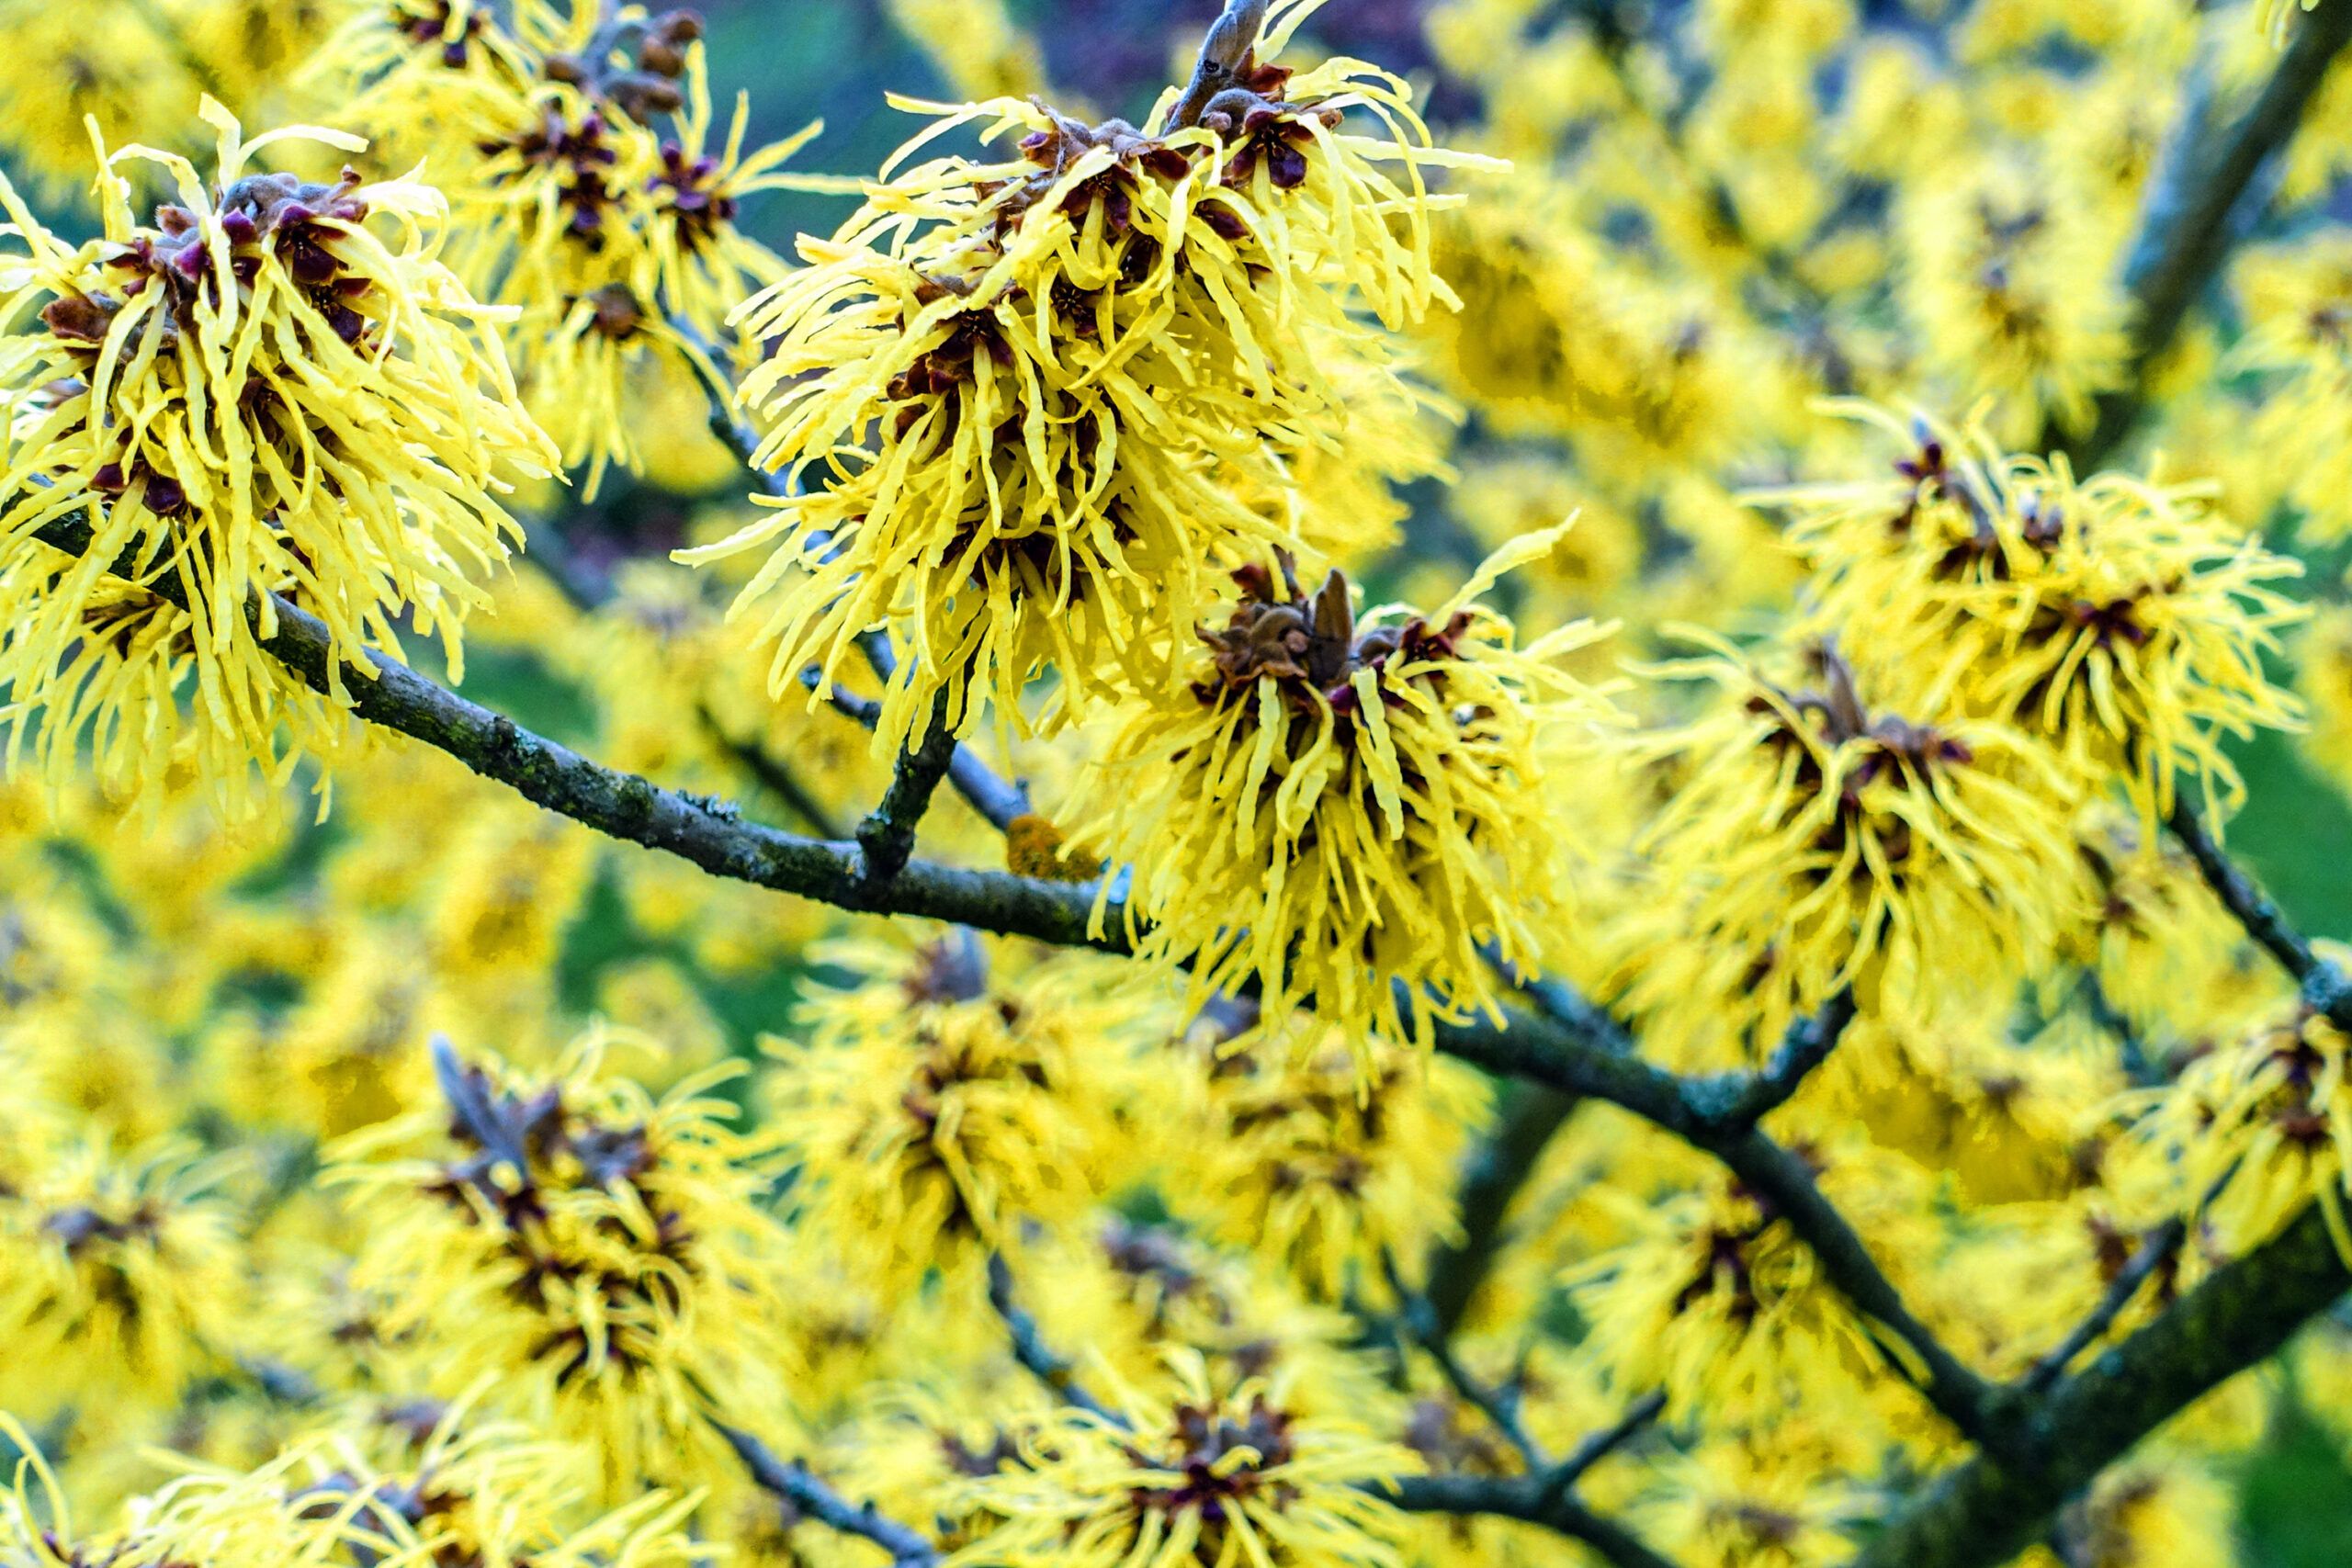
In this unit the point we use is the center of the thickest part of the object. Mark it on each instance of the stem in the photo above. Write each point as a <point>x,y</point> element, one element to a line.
<point>800,1487</point>
<point>1499,1406</point>
<point>2199,205</point>
<point>773,775</point>
<point>1029,1348</point>
<point>2324,987</point>
<point>1493,1177</point>
<point>1509,1497</point>
<point>1231,38</point>
<point>888,834</point>
<point>2154,1253</point>
<point>1990,1508</point>
<point>986,791</point>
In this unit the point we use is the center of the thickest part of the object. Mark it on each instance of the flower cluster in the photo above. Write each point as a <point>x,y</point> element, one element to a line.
<point>1024,404</point>
<point>1339,812</point>
<point>594,197</point>
<point>271,392</point>
<point>602,1254</point>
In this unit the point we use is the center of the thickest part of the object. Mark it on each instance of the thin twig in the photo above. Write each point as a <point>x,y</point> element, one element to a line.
<point>1499,1406</point>
<point>1807,1044</point>
<point>798,1487</point>
<point>999,800</point>
<point>2138,1065</point>
<point>773,774</point>
<point>2157,1250</point>
<point>1562,1476</point>
<point>2199,205</point>
<point>888,834</point>
<point>1029,1348</point>
<point>1491,1180</point>
<point>2323,985</point>
<point>1512,1497</point>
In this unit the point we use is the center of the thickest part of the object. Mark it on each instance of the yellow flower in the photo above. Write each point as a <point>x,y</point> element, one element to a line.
<point>2299,305</point>
<point>617,244</point>
<point>2257,1129</point>
<point>2162,1510</point>
<point>415,74</point>
<point>1717,1304</point>
<point>254,395</point>
<point>1324,1167</point>
<point>974,44</point>
<point>1019,402</point>
<point>70,65</point>
<point>1130,1292</point>
<point>2007,1120</point>
<point>120,1278</point>
<point>2014,290</point>
<point>1740,1503</point>
<point>2115,617</point>
<point>601,1258</point>
<point>254,49</point>
<point>1820,840</point>
<point>941,1101</point>
<point>1347,813</point>
<point>1221,1477</point>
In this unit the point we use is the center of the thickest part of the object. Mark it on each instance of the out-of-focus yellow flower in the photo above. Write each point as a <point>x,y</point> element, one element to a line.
<point>975,45</point>
<point>1218,1477</point>
<point>70,65</point>
<point>2259,1129</point>
<point>1738,1503</point>
<point>602,1259</point>
<point>1717,1304</point>
<point>120,1277</point>
<point>1324,1163</point>
<point>2015,293</point>
<point>941,1101</point>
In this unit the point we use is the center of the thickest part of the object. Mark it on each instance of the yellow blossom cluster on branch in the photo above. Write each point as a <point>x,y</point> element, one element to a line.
<point>1442,786</point>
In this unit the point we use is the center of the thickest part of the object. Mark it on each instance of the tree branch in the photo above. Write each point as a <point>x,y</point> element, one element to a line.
<point>710,833</point>
<point>2154,1253</point>
<point>1512,1497</point>
<point>1230,40</point>
<point>1499,1406</point>
<point>771,774</point>
<point>995,797</point>
<point>1601,1444</point>
<point>800,1487</point>
<point>1990,1508</point>
<point>2324,985</point>
<point>1748,1098</point>
<point>1491,1179</point>
<point>2198,206</point>
<point>888,834</point>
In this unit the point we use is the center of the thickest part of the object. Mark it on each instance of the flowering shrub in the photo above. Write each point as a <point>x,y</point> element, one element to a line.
<point>1471,811</point>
